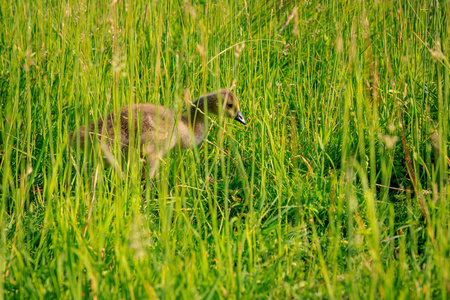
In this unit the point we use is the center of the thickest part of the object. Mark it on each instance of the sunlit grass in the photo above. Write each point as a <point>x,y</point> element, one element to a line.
<point>338,187</point>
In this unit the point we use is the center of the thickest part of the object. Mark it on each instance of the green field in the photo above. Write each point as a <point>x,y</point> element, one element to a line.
<point>338,187</point>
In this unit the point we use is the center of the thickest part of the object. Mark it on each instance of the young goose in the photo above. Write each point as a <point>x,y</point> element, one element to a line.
<point>162,129</point>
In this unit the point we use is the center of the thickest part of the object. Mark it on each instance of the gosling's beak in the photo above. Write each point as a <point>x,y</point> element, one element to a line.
<point>240,118</point>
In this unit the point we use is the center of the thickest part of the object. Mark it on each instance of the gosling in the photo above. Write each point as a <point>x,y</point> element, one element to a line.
<point>161,129</point>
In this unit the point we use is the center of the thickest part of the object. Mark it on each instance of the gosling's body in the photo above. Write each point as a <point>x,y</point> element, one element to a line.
<point>160,128</point>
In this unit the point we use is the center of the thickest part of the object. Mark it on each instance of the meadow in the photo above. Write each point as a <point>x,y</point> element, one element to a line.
<point>337,188</point>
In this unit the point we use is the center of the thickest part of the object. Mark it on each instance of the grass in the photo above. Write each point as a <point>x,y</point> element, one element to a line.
<point>337,188</point>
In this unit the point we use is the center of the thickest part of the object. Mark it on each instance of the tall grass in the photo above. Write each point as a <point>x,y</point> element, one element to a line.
<point>337,188</point>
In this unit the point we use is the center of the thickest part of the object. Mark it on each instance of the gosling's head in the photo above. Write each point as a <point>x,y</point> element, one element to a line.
<point>227,101</point>
<point>230,106</point>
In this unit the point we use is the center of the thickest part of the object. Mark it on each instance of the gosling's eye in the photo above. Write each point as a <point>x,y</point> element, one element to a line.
<point>230,105</point>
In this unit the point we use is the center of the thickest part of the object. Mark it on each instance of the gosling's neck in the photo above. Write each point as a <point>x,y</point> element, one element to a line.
<point>195,116</point>
<point>196,112</point>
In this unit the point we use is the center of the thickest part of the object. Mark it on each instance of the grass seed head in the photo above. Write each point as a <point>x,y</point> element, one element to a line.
<point>436,53</point>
